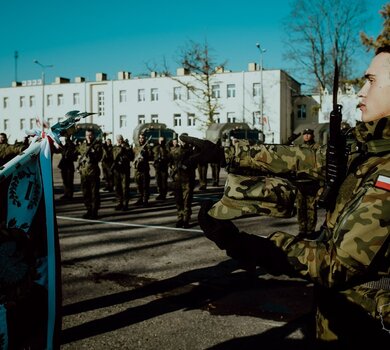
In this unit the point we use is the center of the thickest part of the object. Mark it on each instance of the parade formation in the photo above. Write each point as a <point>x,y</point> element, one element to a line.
<point>340,257</point>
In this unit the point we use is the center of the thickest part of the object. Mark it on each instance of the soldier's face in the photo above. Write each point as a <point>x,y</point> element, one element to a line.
<point>2,139</point>
<point>141,140</point>
<point>307,137</point>
<point>89,136</point>
<point>374,95</point>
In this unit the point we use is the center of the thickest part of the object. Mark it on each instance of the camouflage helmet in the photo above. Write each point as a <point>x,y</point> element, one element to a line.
<point>255,195</point>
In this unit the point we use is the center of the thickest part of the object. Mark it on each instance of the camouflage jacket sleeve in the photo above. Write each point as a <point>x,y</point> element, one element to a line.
<point>355,244</point>
<point>278,159</point>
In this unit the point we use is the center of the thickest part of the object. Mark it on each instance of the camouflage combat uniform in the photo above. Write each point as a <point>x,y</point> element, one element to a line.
<point>122,155</point>
<point>7,151</point>
<point>307,199</point>
<point>160,162</point>
<point>66,165</point>
<point>142,155</point>
<point>107,161</point>
<point>350,262</point>
<point>183,176</point>
<point>88,166</point>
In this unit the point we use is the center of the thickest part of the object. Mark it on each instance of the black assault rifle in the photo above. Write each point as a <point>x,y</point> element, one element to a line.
<point>336,154</point>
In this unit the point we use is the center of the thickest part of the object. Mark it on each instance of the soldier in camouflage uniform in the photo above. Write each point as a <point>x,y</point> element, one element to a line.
<point>7,151</point>
<point>307,194</point>
<point>122,156</point>
<point>107,161</point>
<point>183,176</point>
<point>66,165</point>
<point>349,263</point>
<point>160,162</point>
<point>142,155</point>
<point>90,152</point>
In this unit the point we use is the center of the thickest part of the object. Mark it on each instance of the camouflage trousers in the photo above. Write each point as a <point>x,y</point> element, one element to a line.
<point>183,197</point>
<point>142,180</point>
<point>68,180</point>
<point>122,186</point>
<point>90,185</point>
<point>162,181</point>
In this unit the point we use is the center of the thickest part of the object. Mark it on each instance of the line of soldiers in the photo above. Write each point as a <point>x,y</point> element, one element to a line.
<point>173,161</point>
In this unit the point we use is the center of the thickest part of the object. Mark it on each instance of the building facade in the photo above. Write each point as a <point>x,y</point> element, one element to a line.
<point>121,104</point>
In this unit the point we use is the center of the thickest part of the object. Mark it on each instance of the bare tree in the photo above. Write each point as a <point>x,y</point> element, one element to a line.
<point>319,32</point>
<point>384,37</point>
<point>199,64</point>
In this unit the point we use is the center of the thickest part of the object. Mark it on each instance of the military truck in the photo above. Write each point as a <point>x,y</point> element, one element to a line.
<point>79,135</point>
<point>225,132</point>
<point>153,131</point>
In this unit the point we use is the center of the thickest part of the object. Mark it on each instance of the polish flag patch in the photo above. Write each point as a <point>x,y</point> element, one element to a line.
<point>383,182</point>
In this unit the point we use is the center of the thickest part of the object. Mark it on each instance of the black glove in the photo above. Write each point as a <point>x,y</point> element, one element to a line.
<point>207,151</point>
<point>250,250</point>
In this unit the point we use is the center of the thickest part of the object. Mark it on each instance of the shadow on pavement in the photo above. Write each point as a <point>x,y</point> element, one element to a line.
<point>215,289</point>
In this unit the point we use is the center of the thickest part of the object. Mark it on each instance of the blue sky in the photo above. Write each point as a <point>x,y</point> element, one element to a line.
<point>81,38</point>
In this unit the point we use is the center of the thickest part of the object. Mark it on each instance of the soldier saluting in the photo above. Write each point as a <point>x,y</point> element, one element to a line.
<point>90,152</point>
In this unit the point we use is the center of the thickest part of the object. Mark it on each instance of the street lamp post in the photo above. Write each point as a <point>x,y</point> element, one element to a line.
<point>43,66</point>
<point>261,83</point>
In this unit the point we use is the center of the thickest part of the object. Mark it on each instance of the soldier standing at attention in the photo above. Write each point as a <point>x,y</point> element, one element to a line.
<point>66,165</point>
<point>307,193</point>
<point>107,161</point>
<point>349,264</point>
<point>183,176</point>
<point>122,155</point>
<point>90,152</point>
<point>160,162</point>
<point>216,167</point>
<point>142,155</point>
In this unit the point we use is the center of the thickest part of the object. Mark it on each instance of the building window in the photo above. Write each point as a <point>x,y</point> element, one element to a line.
<point>141,95</point>
<point>256,120</point>
<point>154,118</point>
<point>32,122</point>
<point>32,101</point>
<point>49,100</point>
<point>191,119</point>
<point>230,117</point>
<point>76,98</point>
<point>301,111</point>
<point>122,121</point>
<point>216,91</point>
<point>154,94</point>
<point>177,93</point>
<point>177,120</point>
<point>50,121</point>
<point>231,90</point>
<point>60,99</point>
<point>100,103</point>
<point>216,118</point>
<point>22,124</point>
<point>5,102</point>
<point>22,101</point>
<point>122,96</point>
<point>256,90</point>
<point>141,119</point>
<point>5,124</point>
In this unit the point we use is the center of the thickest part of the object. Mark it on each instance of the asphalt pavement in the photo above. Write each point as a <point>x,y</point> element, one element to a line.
<point>132,280</point>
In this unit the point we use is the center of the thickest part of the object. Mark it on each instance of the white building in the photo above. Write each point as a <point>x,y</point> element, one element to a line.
<point>123,103</point>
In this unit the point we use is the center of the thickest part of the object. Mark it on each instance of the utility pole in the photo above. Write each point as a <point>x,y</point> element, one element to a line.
<point>262,89</point>
<point>16,56</point>
<point>43,87</point>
